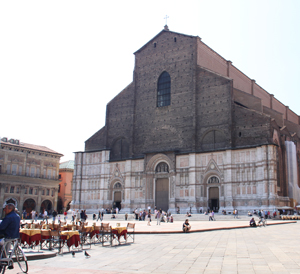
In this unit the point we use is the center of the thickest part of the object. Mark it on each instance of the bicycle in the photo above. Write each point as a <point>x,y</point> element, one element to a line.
<point>9,255</point>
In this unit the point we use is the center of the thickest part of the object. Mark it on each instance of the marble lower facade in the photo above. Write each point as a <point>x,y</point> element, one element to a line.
<point>244,179</point>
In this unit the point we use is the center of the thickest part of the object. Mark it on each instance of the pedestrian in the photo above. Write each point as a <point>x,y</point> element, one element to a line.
<point>158,216</point>
<point>73,215</point>
<point>33,213</point>
<point>210,216</point>
<point>99,216</point>
<point>149,217</point>
<point>54,214</point>
<point>213,215</point>
<point>65,216</point>
<point>45,216</point>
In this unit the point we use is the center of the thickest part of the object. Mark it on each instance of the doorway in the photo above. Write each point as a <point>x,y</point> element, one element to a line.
<point>117,199</point>
<point>162,194</point>
<point>213,200</point>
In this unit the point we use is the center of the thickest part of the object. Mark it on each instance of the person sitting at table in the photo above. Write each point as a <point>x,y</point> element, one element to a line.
<point>10,225</point>
<point>252,223</point>
<point>186,226</point>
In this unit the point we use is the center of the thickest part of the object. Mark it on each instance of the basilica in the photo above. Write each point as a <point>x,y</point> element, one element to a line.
<point>190,132</point>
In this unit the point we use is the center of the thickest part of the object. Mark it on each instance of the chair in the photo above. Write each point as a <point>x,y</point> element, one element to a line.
<point>96,238</point>
<point>130,231</point>
<point>106,234</point>
<point>56,240</point>
<point>85,238</point>
<point>45,239</point>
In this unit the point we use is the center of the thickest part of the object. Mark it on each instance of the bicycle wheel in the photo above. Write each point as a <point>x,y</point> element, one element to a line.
<point>21,259</point>
<point>2,265</point>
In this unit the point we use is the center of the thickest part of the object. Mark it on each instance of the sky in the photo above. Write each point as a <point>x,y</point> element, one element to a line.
<point>62,61</point>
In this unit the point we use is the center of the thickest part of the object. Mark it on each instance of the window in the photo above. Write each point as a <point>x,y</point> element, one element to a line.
<point>59,188</point>
<point>20,170</point>
<point>8,169</point>
<point>48,192</point>
<point>27,171</point>
<point>35,192</point>
<point>44,173</point>
<point>12,189</point>
<point>59,176</point>
<point>14,169</point>
<point>6,189</point>
<point>17,190</point>
<point>32,173</point>
<point>38,172</point>
<point>53,174</point>
<point>49,174</point>
<point>52,193</point>
<point>43,192</point>
<point>25,191</point>
<point>164,90</point>
<point>30,190</point>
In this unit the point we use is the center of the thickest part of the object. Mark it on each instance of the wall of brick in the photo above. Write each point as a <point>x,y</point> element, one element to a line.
<point>170,127</point>
<point>213,103</point>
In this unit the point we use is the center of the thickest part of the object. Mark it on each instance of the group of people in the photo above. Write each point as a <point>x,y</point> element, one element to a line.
<point>159,214</point>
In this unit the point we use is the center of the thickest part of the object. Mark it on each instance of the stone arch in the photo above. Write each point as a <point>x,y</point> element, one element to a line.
<point>11,200</point>
<point>213,189</point>
<point>158,158</point>
<point>213,139</point>
<point>119,149</point>
<point>160,181</point>
<point>29,205</point>
<point>46,205</point>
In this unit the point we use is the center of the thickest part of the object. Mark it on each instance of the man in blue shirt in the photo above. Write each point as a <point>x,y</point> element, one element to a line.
<point>10,225</point>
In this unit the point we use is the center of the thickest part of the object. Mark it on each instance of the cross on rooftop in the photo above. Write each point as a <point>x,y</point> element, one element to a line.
<point>166,17</point>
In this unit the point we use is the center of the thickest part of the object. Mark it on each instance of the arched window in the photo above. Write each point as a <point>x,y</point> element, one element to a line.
<point>164,90</point>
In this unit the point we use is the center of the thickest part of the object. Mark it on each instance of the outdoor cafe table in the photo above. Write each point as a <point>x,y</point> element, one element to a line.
<point>30,236</point>
<point>71,236</point>
<point>119,231</point>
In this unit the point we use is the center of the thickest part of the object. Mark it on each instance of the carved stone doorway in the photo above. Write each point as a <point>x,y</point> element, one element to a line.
<point>213,200</point>
<point>162,194</point>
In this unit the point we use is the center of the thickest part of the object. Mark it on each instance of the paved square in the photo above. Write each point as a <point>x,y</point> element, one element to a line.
<point>271,249</point>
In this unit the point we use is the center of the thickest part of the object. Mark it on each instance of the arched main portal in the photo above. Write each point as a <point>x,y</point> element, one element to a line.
<point>46,205</point>
<point>29,205</point>
<point>162,187</point>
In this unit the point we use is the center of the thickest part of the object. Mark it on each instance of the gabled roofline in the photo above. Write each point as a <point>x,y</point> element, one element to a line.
<point>164,30</point>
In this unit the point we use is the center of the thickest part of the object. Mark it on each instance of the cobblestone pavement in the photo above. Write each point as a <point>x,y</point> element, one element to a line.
<point>271,249</point>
